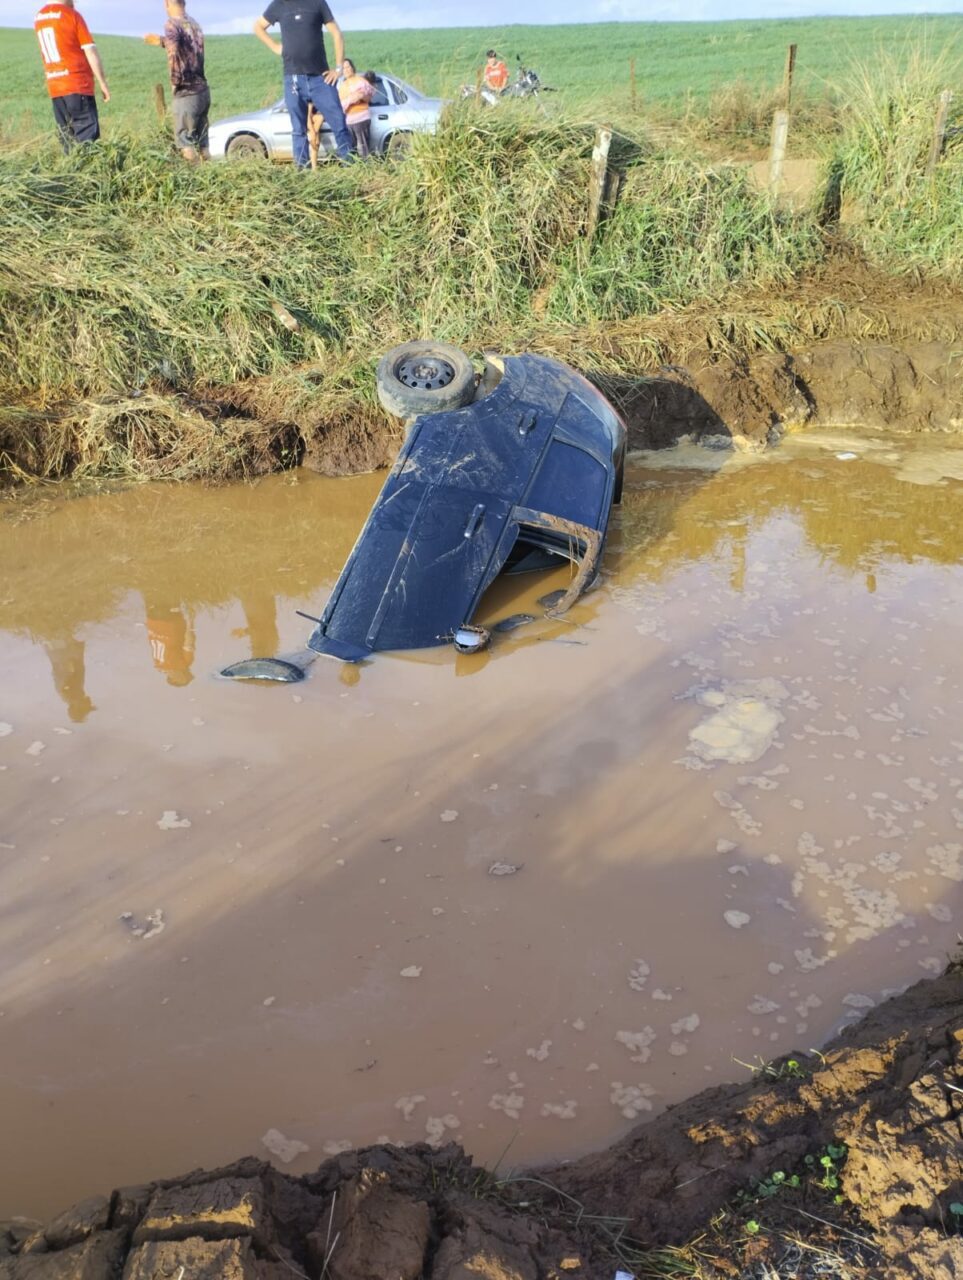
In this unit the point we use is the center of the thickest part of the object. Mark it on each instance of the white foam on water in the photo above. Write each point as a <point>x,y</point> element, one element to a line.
<point>285,1149</point>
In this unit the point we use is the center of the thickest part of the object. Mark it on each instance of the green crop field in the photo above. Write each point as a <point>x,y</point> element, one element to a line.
<point>588,64</point>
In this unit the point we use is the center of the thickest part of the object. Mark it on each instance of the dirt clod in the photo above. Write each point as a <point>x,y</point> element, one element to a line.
<point>218,1210</point>
<point>194,1257</point>
<point>374,1231</point>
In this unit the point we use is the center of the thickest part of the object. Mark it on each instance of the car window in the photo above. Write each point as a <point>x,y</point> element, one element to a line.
<point>400,95</point>
<point>380,96</point>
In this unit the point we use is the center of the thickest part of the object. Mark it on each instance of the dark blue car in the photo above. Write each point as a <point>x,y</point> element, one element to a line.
<point>525,473</point>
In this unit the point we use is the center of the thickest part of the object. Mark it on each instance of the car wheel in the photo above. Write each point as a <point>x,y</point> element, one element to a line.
<point>424,377</point>
<point>246,147</point>
<point>398,145</point>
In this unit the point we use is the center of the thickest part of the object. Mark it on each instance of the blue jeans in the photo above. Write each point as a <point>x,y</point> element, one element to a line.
<point>298,92</point>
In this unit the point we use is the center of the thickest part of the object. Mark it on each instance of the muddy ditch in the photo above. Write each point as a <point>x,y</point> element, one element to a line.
<point>885,1099</point>
<point>745,402</point>
<point>730,402</point>
<point>842,345</point>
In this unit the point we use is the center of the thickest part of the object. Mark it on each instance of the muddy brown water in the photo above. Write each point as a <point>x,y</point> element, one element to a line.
<point>731,782</point>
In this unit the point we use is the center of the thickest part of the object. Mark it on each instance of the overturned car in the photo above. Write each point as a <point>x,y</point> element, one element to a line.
<point>503,474</point>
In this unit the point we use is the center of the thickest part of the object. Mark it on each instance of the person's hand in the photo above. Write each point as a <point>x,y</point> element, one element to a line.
<point>332,77</point>
<point>276,48</point>
<point>152,39</point>
<point>105,92</point>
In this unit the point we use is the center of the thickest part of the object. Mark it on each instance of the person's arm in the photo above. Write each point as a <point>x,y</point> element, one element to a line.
<point>334,74</point>
<point>97,67</point>
<point>152,39</point>
<point>261,31</point>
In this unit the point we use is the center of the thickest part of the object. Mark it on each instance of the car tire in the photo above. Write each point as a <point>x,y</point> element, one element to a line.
<point>424,377</point>
<point>246,146</point>
<point>398,146</point>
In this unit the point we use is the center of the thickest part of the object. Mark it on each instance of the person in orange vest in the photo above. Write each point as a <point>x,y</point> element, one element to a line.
<point>496,73</point>
<point>72,66</point>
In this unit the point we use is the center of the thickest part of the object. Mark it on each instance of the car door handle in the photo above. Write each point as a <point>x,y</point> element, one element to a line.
<point>474,521</point>
<point>382,117</point>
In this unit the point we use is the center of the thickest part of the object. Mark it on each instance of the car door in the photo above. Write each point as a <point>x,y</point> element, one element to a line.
<point>280,140</point>
<point>384,109</point>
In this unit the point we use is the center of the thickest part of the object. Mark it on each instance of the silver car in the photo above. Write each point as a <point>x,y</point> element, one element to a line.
<point>397,111</point>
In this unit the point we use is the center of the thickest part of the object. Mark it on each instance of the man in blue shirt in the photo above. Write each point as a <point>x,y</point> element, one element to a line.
<point>307,77</point>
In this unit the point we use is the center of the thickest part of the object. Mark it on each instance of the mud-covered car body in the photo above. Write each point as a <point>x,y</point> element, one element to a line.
<point>530,468</point>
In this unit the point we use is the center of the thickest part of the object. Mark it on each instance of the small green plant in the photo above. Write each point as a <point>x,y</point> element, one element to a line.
<point>753,1227</point>
<point>828,1165</point>
<point>766,1188</point>
<point>777,1069</point>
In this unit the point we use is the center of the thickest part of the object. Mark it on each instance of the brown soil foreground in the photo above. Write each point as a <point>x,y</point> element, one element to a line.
<point>682,1195</point>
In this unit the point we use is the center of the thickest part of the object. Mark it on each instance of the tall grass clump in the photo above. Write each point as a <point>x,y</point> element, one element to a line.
<point>741,112</point>
<point>683,232</point>
<point>121,269</point>
<point>901,218</point>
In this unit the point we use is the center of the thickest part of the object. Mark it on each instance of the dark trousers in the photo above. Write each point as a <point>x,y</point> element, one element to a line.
<point>76,116</point>
<point>361,136</point>
<point>190,119</point>
<point>298,92</point>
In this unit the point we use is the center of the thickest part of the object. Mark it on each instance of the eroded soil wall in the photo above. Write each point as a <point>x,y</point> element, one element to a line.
<point>843,346</point>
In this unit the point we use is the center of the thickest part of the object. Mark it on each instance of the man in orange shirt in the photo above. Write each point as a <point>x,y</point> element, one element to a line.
<point>496,73</point>
<point>72,65</point>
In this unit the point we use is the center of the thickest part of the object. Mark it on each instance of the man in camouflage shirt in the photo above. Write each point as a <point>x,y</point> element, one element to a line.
<point>183,40</point>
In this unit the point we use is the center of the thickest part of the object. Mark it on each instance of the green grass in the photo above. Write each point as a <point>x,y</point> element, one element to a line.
<point>884,149</point>
<point>137,291</point>
<point>674,62</point>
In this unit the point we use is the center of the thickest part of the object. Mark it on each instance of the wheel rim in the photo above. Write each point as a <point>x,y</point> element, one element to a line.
<point>426,373</point>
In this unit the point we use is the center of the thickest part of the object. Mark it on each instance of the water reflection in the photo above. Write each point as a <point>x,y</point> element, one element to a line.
<point>170,633</point>
<point>322,855</point>
<point>191,552</point>
<point>67,664</point>
<point>261,616</point>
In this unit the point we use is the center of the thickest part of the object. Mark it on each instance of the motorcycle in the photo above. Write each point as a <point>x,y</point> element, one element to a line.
<point>527,84</point>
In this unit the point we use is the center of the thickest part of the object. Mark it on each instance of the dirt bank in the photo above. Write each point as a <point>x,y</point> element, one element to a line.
<point>843,344</point>
<point>883,1100</point>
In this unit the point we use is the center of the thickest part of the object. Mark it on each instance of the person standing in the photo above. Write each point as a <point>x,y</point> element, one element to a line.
<point>183,41</point>
<point>307,77</point>
<point>72,66</point>
<point>355,92</point>
<point>496,73</point>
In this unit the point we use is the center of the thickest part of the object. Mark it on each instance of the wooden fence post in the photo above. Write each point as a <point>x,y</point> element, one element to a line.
<point>777,148</point>
<point>939,131</point>
<point>597,181</point>
<point>160,105</point>
<point>787,77</point>
<point>780,124</point>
